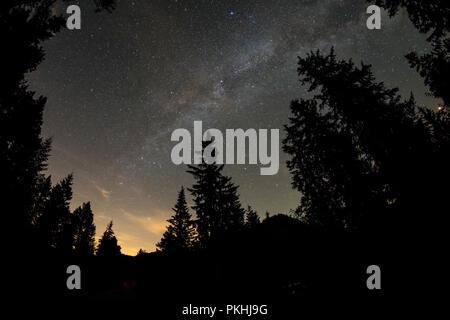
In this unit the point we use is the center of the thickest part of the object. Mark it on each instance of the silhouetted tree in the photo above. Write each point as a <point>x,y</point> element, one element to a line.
<point>84,231</point>
<point>24,25</point>
<point>427,16</point>
<point>107,246</point>
<point>54,225</point>
<point>141,253</point>
<point>358,151</point>
<point>180,234</point>
<point>434,68</point>
<point>217,204</point>
<point>41,198</point>
<point>251,217</point>
<point>432,17</point>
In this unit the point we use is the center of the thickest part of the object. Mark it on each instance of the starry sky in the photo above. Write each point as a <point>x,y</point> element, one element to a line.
<point>118,87</point>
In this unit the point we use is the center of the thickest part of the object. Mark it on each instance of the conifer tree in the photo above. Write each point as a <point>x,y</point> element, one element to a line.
<point>216,202</point>
<point>108,247</point>
<point>251,218</point>
<point>141,253</point>
<point>180,234</point>
<point>54,225</point>
<point>84,231</point>
<point>24,26</point>
<point>359,153</point>
<point>431,17</point>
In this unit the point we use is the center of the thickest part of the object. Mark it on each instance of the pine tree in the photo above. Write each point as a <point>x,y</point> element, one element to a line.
<point>251,218</point>
<point>84,231</point>
<point>180,234</point>
<point>217,204</point>
<point>108,247</point>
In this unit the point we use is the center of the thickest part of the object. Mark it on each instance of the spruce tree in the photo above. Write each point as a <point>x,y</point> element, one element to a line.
<point>108,247</point>
<point>84,231</point>
<point>54,224</point>
<point>251,218</point>
<point>24,26</point>
<point>431,17</point>
<point>180,234</point>
<point>360,156</point>
<point>216,203</point>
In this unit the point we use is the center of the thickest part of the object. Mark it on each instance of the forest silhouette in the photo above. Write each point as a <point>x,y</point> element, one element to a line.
<point>370,166</point>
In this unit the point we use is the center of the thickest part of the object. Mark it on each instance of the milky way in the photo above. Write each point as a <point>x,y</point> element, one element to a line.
<point>118,87</point>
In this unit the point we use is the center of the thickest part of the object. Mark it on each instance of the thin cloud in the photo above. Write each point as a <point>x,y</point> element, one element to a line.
<point>105,193</point>
<point>155,226</point>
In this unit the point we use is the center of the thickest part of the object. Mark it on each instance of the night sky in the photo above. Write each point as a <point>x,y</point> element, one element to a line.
<point>118,87</point>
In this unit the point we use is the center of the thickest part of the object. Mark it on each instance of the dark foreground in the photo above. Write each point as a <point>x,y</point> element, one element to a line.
<point>290,267</point>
